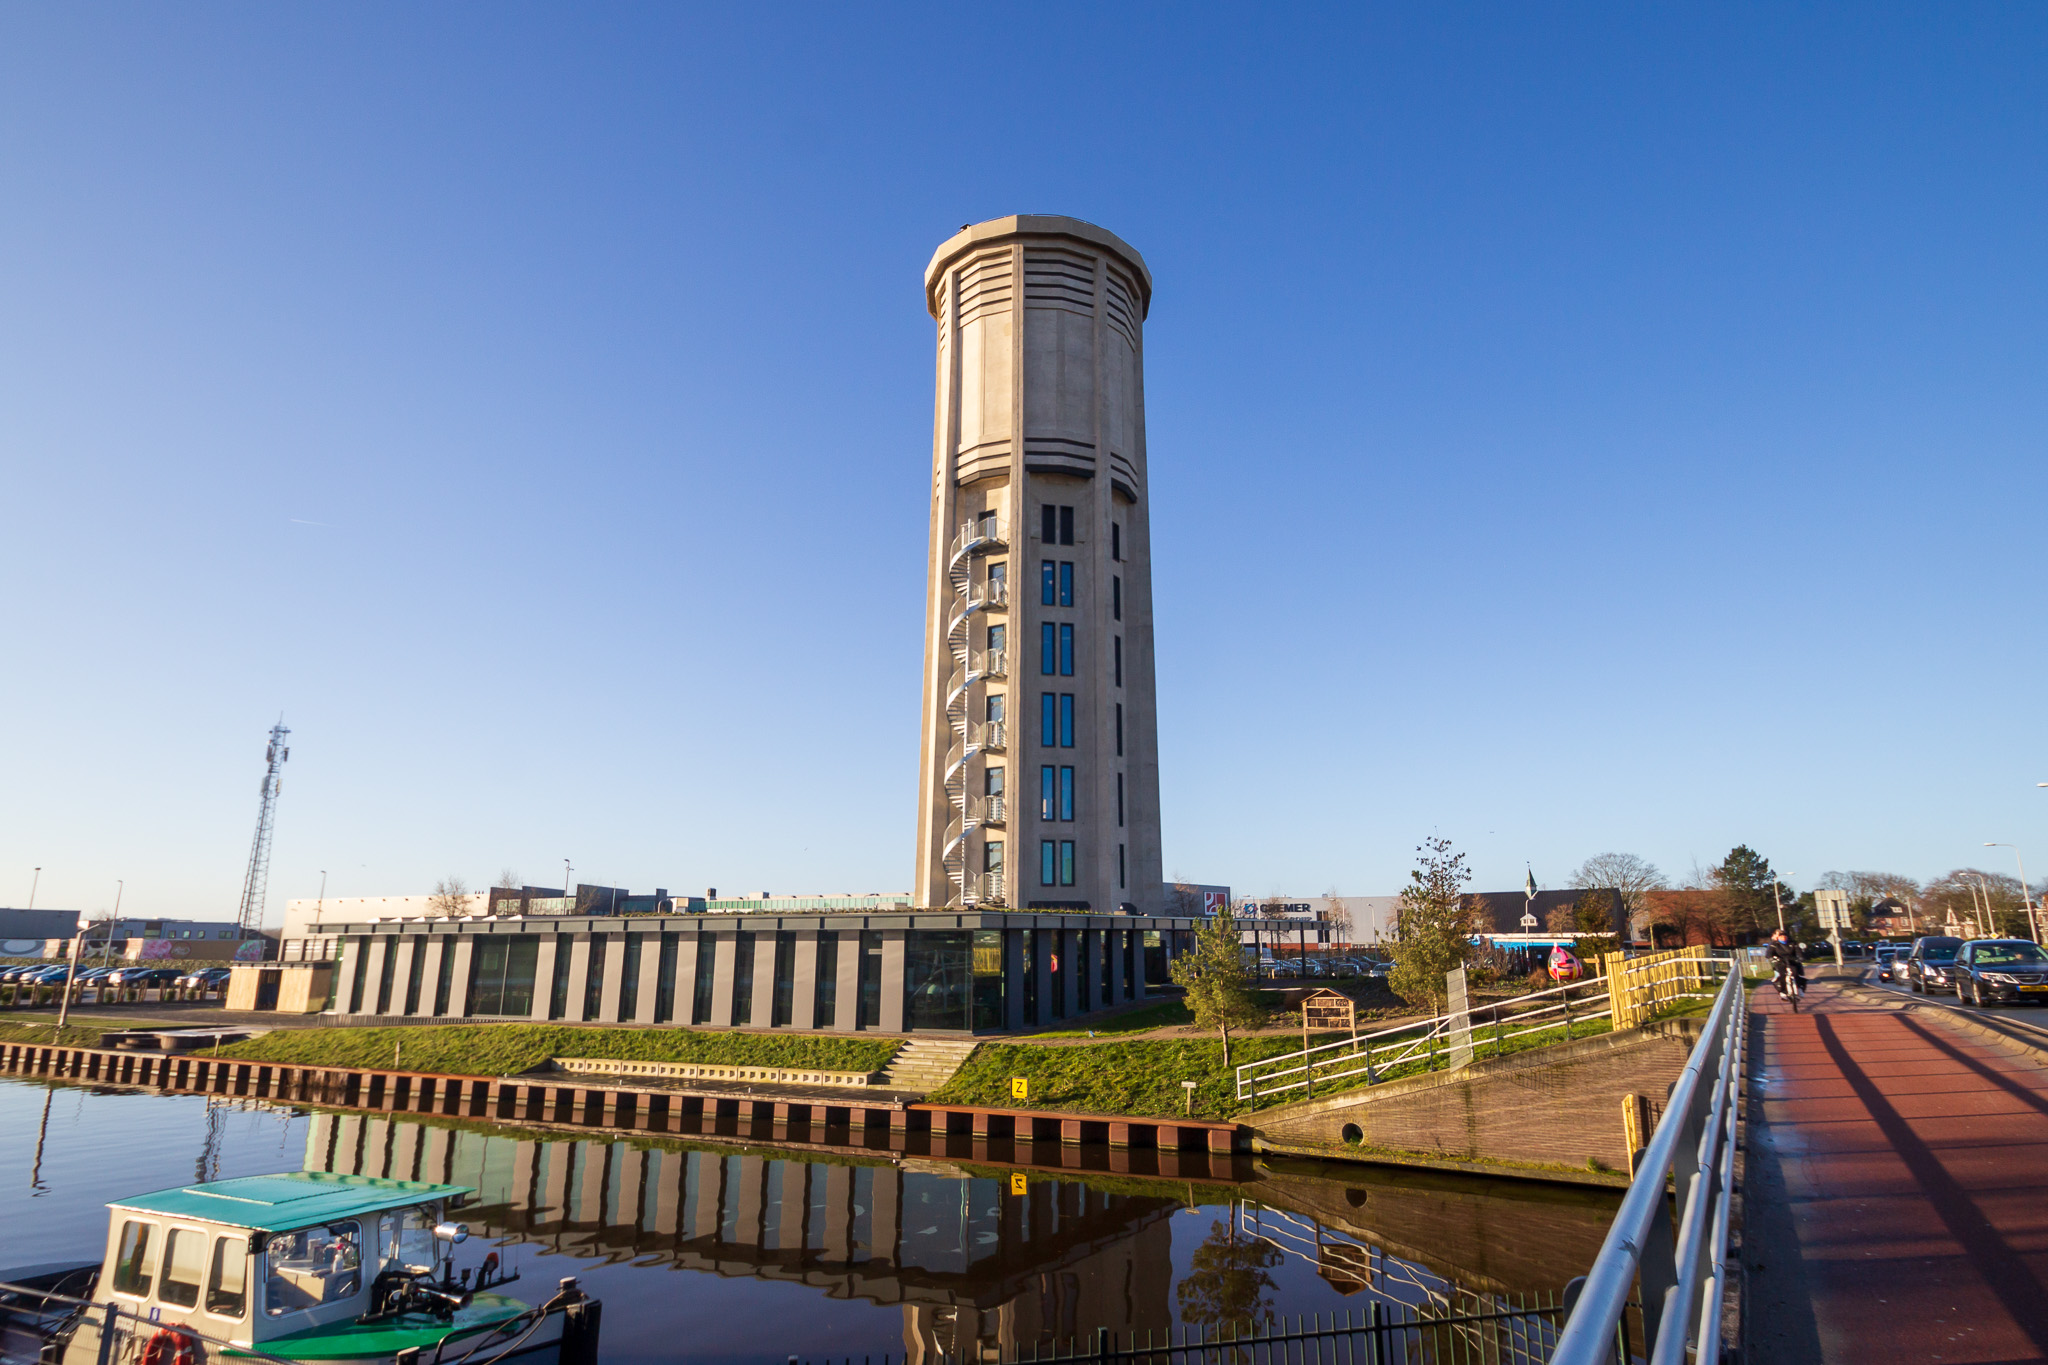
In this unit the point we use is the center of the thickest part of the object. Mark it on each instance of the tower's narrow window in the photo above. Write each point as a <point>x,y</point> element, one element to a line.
<point>992,781</point>
<point>1119,729</point>
<point>1048,524</point>
<point>1066,862</point>
<point>1066,793</point>
<point>1066,583</point>
<point>1048,658</point>
<point>1067,653</point>
<point>1119,800</point>
<point>1048,863</point>
<point>999,582</point>
<point>1045,582</point>
<point>1119,652</point>
<point>1066,720</point>
<point>1048,726</point>
<point>1116,596</point>
<point>1116,541</point>
<point>1045,792</point>
<point>996,639</point>
<point>1066,526</point>
<point>1120,873</point>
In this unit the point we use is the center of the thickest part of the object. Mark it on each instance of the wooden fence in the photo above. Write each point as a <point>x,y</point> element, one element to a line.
<point>1640,987</point>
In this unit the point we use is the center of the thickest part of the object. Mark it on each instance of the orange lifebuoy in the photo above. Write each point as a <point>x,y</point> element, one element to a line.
<point>169,1347</point>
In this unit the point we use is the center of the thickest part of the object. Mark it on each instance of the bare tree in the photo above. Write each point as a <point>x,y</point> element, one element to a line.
<point>1337,915</point>
<point>451,897</point>
<point>1633,877</point>
<point>1183,897</point>
<point>508,880</point>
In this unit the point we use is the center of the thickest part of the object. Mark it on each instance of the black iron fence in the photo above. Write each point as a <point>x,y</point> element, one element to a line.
<point>1510,1329</point>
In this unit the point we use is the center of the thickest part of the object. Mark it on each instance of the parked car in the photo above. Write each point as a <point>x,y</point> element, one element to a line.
<point>205,979</point>
<point>2000,971</point>
<point>143,976</point>
<point>1928,963</point>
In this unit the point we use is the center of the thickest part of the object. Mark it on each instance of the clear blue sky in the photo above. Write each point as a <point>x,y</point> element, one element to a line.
<point>1571,429</point>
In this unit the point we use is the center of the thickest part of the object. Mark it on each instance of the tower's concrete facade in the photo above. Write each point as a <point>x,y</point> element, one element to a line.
<point>1040,770</point>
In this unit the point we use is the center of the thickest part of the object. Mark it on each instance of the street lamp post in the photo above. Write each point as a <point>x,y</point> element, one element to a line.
<point>2026,896</point>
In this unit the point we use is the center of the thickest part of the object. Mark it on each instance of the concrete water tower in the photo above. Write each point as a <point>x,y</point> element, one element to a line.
<point>1039,783</point>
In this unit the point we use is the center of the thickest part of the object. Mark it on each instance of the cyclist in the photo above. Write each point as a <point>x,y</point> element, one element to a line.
<point>1788,968</point>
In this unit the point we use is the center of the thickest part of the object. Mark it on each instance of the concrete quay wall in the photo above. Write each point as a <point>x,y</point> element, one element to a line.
<point>1556,1112</point>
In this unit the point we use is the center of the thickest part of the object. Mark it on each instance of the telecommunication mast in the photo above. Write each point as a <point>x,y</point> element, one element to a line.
<point>256,886</point>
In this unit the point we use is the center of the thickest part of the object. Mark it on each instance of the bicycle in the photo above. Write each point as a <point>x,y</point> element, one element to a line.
<point>1790,987</point>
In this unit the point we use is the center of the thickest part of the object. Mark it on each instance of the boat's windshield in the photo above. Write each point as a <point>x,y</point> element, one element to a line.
<point>405,1240</point>
<point>313,1266</point>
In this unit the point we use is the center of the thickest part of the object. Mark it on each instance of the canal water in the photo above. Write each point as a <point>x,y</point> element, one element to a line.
<point>718,1253</point>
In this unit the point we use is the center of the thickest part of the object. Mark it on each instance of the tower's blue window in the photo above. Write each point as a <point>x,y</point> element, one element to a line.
<point>1045,582</point>
<point>1066,720</point>
<point>1045,792</point>
<point>1048,726</point>
<point>1066,584</point>
<point>1047,661</point>
<point>1066,793</point>
<point>1048,864</point>
<point>1066,862</point>
<point>1067,654</point>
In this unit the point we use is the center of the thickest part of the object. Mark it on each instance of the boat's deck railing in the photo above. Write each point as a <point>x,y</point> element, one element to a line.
<point>121,1333</point>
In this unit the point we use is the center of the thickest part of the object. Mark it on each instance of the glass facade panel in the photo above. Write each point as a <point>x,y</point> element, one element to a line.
<point>825,1010</point>
<point>665,980</point>
<point>785,980</point>
<point>870,978</point>
<point>558,987</point>
<point>1029,966</point>
<point>938,979</point>
<point>444,981</point>
<point>384,976</point>
<point>629,982</point>
<point>416,976</point>
<point>593,977</point>
<point>743,978</point>
<point>988,980</point>
<point>1057,957</point>
<point>1155,957</point>
<point>487,975</point>
<point>707,977</point>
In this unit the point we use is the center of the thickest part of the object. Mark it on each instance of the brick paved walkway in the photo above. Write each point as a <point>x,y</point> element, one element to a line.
<point>1897,1187</point>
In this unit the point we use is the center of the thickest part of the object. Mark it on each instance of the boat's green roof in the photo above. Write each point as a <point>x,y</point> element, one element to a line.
<point>295,1199</point>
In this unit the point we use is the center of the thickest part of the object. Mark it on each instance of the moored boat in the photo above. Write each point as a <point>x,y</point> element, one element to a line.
<point>301,1267</point>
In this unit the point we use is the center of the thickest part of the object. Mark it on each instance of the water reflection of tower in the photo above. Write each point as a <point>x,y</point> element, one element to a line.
<point>973,1265</point>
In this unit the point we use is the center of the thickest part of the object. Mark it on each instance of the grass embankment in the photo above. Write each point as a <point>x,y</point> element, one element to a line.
<point>1142,1078</point>
<point>506,1049</point>
<point>75,1035</point>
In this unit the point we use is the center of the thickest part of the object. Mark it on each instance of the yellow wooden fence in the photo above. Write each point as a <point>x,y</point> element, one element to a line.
<point>1639,987</point>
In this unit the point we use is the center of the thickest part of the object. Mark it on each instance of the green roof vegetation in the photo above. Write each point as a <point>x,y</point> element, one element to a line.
<point>507,1049</point>
<point>279,1203</point>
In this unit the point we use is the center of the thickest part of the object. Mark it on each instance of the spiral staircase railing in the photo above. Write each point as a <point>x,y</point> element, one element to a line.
<point>971,599</point>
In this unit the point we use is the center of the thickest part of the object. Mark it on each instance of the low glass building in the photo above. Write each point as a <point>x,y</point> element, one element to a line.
<point>908,971</point>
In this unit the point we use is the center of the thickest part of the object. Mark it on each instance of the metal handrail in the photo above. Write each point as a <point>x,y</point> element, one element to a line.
<point>1696,1142</point>
<point>1253,1078</point>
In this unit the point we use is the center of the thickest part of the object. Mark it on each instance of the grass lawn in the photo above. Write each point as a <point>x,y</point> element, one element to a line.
<point>75,1035</point>
<point>504,1049</point>
<point>1141,1077</point>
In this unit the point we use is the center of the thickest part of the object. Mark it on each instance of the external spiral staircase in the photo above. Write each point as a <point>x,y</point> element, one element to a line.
<point>968,737</point>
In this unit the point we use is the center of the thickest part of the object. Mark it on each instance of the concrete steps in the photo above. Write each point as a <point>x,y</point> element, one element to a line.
<point>922,1065</point>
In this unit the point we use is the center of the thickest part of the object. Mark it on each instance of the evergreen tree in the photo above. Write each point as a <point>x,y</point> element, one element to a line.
<point>1219,990</point>
<point>1433,929</point>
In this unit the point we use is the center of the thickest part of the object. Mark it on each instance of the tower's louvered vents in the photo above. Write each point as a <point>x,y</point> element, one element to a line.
<point>1121,306</point>
<point>985,286</point>
<point>1059,279</point>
